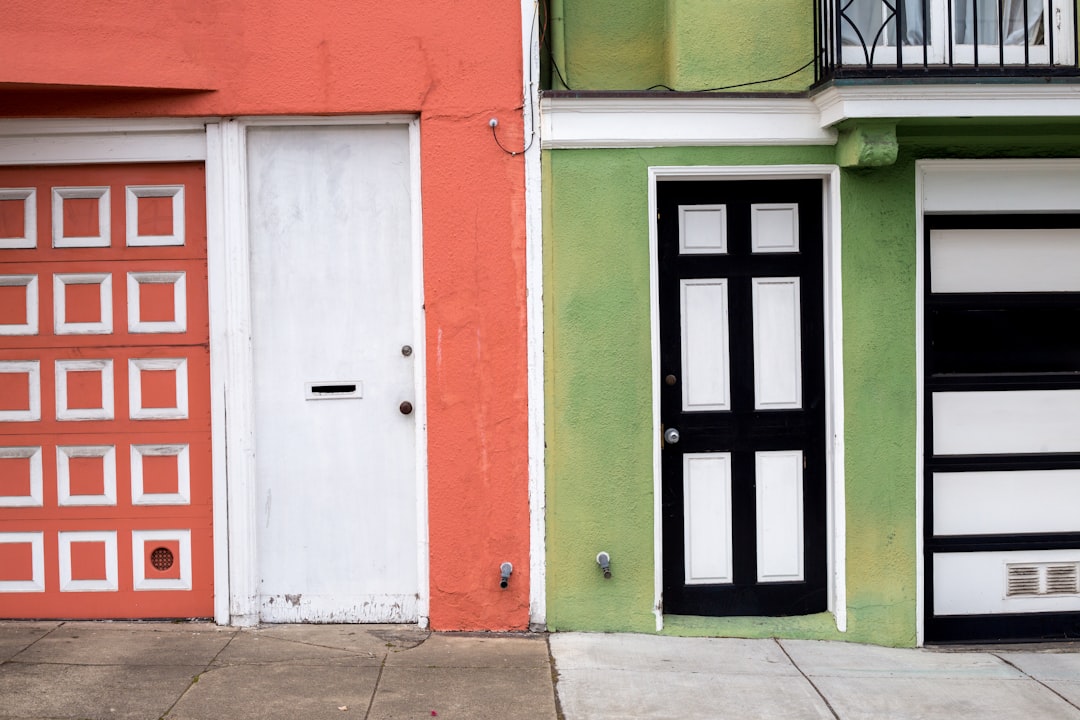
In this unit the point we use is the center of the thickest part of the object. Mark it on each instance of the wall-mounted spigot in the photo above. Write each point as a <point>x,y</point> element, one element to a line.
<point>504,574</point>
<point>604,561</point>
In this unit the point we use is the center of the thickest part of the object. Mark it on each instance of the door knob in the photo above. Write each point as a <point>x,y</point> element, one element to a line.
<point>405,407</point>
<point>671,436</point>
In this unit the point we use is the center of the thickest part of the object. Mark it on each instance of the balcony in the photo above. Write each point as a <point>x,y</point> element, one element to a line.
<point>942,39</point>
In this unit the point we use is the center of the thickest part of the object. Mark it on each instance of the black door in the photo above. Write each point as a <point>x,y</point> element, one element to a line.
<point>743,388</point>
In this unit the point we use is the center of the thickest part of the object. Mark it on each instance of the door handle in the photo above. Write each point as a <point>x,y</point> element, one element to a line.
<point>405,407</point>
<point>671,436</point>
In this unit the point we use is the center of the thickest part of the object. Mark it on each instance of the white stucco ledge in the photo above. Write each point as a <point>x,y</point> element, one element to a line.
<point>947,100</point>
<point>643,119</point>
<point>660,120</point>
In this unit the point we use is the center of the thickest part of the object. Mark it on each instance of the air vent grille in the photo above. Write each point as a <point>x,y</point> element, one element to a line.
<point>1041,579</point>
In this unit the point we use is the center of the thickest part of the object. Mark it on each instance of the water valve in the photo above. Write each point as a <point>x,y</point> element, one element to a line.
<point>604,561</point>
<point>504,574</point>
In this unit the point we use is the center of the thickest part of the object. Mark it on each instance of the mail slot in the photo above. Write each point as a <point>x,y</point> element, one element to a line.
<point>334,390</point>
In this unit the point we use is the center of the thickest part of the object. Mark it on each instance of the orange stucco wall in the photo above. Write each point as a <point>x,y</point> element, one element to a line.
<point>456,65</point>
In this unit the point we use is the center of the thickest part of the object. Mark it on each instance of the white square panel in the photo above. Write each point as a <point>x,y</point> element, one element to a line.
<point>109,582</point>
<point>103,236</point>
<point>134,192</point>
<point>35,497</point>
<point>28,239</point>
<point>178,281</point>
<point>702,229</point>
<point>182,496</point>
<point>774,227</point>
<point>32,370</point>
<point>135,368</point>
<point>107,453</point>
<point>141,540</point>
<point>63,412</point>
<point>61,325</point>
<point>29,284</point>
<point>36,583</point>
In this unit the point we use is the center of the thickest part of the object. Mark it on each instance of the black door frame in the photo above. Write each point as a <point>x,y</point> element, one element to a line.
<point>829,176</point>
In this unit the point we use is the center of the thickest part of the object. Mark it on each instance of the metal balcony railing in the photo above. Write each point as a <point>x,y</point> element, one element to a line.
<point>957,38</point>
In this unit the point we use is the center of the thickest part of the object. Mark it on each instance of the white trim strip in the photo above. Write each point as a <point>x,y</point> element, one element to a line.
<point>993,100</point>
<point>534,310</point>
<point>597,122</point>
<point>112,140</point>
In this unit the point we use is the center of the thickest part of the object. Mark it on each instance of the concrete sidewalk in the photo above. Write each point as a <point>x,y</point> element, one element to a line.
<point>645,676</point>
<point>146,671</point>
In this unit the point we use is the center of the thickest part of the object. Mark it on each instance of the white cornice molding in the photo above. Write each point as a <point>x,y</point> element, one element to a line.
<point>992,100</point>
<point>621,122</point>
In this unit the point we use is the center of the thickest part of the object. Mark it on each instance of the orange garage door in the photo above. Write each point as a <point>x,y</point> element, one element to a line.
<point>105,491</point>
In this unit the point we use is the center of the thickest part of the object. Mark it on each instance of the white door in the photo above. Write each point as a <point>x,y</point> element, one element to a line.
<point>330,211</point>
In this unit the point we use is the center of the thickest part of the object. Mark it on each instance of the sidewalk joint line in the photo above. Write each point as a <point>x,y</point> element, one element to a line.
<point>378,679</point>
<point>1032,677</point>
<point>812,684</point>
<point>195,679</point>
<point>13,659</point>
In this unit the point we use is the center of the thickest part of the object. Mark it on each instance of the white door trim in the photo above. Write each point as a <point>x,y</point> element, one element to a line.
<point>234,306</point>
<point>534,311</point>
<point>972,187</point>
<point>834,377</point>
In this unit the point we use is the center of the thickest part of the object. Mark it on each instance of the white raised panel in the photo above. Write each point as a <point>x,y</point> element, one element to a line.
<point>1007,421</point>
<point>105,412</point>
<point>140,539</point>
<point>777,344</point>
<point>36,583</point>
<point>35,498</point>
<point>702,229</point>
<point>182,496</point>
<point>178,281</point>
<point>975,583</point>
<point>707,518</point>
<point>60,323</point>
<point>109,582</point>
<point>778,476</point>
<point>28,239</point>
<point>993,260</point>
<point>705,350</point>
<point>32,370</point>
<point>30,284</point>
<point>133,193</point>
<point>103,238</point>
<point>774,227</point>
<point>136,366</point>
<point>1006,502</point>
<point>107,453</point>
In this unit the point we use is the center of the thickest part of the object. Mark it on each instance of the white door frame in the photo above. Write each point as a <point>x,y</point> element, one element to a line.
<point>972,187</point>
<point>232,303</point>
<point>834,366</point>
<point>221,144</point>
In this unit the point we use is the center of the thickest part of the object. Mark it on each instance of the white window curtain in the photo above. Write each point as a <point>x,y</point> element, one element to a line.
<point>868,16</point>
<point>1011,13</point>
<point>862,21</point>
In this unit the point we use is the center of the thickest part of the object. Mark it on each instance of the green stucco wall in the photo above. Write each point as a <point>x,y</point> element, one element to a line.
<point>683,44</point>
<point>599,395</point>
<point>599,383</point>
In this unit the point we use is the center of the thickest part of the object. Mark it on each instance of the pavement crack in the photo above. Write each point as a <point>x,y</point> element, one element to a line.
<point>195,679</point>
<point>1028,675</point>
<point>378,679</point>
<point>812,684</point>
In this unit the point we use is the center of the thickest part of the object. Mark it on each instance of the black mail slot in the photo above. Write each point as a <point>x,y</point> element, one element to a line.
<point>333,388</point>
